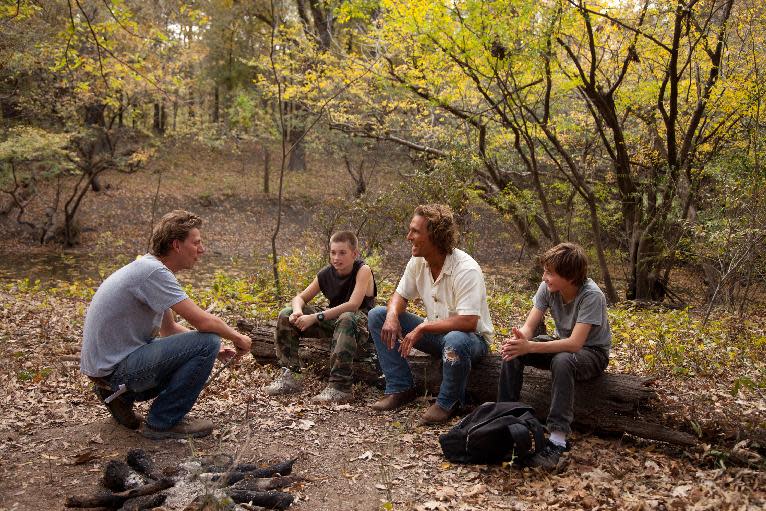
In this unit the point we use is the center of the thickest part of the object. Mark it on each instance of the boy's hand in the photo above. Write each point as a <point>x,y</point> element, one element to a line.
<point>515,346</point>
<point>294,316</point>
<point>305,321</point>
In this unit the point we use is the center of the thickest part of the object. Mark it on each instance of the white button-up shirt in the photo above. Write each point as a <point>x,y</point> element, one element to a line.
<point>458,291</point>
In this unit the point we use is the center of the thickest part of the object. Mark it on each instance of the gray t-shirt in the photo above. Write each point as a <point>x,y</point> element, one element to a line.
<point>126,312</point>
<point>589,306</point>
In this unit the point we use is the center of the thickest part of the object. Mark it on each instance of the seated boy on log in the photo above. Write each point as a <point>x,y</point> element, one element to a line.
<point>348,284</point>
<point>578,351</point>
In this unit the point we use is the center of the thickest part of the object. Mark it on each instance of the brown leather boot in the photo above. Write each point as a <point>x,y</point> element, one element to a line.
<point>437,415</point>
<point>394,401</point>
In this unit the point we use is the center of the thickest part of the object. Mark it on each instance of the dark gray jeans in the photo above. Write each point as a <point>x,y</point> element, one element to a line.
<point>565,368</point>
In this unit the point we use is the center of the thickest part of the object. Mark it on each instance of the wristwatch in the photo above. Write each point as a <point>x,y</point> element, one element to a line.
<point>320,316</point>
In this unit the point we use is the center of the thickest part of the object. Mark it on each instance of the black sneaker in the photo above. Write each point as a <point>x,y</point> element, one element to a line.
<point>548,457</point>
<point>121,410</point>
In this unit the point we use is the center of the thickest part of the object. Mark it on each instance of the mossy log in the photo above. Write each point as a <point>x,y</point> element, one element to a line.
<point>610,404</point>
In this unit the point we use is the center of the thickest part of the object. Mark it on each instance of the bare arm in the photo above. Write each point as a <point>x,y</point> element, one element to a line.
<point>302,299</point>
<point>392,330</point>
<point>363,279</point>
<point>169,325</point>
<point>520,343</point>
<point>206,322</point>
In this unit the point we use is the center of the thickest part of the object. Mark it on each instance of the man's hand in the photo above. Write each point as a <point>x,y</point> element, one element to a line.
<point>226,354</point>
<point>515,346</point>
<point>391,331</point>
<point>295,315</point>
<point>305,321</point>
<point>409,341</point>
<point>243,345</point>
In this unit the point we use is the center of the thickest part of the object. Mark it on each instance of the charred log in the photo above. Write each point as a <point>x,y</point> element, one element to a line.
<point>267,499</point>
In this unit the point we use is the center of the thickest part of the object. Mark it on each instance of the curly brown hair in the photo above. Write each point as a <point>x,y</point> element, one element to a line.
<point>172,226</point>
<point>440,222</point>
<point>568,260</point>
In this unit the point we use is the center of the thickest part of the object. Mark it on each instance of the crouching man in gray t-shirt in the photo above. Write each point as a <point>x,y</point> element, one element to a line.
<point>578,351</point>
<point>132,342</point>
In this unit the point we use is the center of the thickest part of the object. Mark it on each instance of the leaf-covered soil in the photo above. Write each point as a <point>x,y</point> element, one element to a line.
<point>55,437</point>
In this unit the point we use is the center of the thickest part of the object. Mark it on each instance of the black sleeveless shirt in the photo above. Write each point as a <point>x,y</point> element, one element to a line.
<point>338,289</point>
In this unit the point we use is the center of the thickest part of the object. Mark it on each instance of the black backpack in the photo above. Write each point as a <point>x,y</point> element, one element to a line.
<point>494,432</point>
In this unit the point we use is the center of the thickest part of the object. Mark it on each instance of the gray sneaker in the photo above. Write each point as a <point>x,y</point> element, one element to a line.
<point>284,384</point>
<point>186,428</point>
<point>548,457</point>
<point>333,395</point>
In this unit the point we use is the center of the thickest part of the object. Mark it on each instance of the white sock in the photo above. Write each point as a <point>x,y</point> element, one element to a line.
<point>558,438</point>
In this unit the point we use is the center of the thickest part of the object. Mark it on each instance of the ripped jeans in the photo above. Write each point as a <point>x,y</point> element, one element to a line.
<point>458,351</point>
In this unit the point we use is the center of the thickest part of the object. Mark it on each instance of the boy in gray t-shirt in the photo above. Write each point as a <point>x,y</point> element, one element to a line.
<point>578,351</point>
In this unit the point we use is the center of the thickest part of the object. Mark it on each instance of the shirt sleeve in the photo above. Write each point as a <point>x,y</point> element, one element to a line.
<point>542,298</point>
<point>160,290</point>
<point>592,309</point>
<point>469,292</point>
<point>407,287</point>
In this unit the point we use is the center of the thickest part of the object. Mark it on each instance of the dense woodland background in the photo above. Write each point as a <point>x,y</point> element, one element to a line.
<point>632,127</point>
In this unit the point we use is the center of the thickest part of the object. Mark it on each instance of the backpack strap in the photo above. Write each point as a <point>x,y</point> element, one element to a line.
<point>536,428</point>
<point>521,442</point>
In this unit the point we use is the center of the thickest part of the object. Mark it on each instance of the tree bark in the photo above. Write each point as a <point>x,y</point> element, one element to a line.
<point>610,404</point>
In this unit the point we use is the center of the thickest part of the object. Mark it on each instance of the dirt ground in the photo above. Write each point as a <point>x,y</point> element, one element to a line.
<point>55,437</point>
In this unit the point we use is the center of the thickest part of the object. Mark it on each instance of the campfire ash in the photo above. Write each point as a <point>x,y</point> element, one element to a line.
<point>195,485</point>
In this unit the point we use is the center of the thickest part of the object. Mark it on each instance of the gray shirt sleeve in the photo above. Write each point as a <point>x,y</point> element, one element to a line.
<point>591,309</point>
<point>159,290</point>
<point>542,298</point>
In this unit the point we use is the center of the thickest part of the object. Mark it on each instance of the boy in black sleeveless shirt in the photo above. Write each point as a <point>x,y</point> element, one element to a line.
<point>348,284</point>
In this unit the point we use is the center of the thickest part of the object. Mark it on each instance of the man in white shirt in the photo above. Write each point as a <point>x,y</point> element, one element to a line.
<point>458,326</point>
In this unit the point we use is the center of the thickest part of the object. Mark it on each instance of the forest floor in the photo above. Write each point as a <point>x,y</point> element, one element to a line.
<point>55,437</point>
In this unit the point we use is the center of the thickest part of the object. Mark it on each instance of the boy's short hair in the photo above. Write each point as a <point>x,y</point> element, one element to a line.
<point>175,225</point>
<point>568,260</point>
<point>441,225</point>
<point>345,237</point>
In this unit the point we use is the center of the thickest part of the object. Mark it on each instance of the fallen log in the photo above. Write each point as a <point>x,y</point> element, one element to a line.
<point>610,404</point>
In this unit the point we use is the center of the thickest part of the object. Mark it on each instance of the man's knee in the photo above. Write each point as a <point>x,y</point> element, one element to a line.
<point>347,319</point>
<point>456,347</point>
<point>563,363</point>
<point>284,314</point>
<point>211,344</point>
<point>376,317</point>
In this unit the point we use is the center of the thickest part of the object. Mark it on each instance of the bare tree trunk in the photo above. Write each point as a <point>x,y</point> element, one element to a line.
<point>266,164</point>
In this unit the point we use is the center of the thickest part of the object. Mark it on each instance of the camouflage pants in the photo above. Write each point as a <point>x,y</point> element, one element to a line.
<point>348,334</point>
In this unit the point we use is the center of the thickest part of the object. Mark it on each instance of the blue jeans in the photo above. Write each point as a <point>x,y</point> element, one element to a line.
<point>173,370</point>
<point>457,349</point>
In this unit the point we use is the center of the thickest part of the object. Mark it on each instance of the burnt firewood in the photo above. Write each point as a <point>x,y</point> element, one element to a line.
<point>117,476</point>
<point>264,483</point>
<point>142,463</point>
<point>267,499</point>
<point>115,500</point>
<point>252,470</point>
<point>145,502</point>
